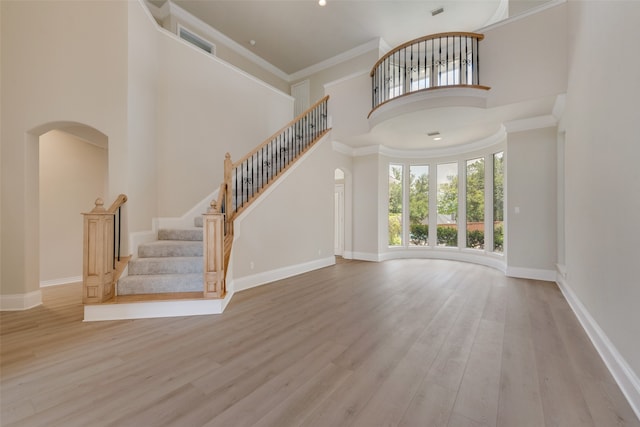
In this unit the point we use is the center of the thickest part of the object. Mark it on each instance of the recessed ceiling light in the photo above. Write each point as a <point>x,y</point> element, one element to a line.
<point>437,138</point>
<point>322,2</point>
<point>252,42</point>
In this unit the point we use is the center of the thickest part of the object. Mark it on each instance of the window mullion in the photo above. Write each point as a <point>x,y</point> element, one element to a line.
<point>488,203</point>
<point>462,204</point>
<point>405,204</point>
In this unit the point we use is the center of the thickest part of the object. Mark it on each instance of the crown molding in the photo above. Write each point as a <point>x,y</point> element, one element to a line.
<point>531,123</point>
<point>380,149</point>
<point>529,12</point>
<point>342,148</point>
<point>374,44</point>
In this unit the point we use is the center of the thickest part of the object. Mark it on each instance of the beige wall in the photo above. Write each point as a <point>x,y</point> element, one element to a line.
<point>357,65</point>
<point>531,189</point>
<point>73,173</point>
<point>526,58</point>
<point>349,105</point>
<point>169,113</point>
<point>601,170</point>
<point>368,197</point>
<point>69,65</point>
<point>201,117</point>
<point>276,233</point>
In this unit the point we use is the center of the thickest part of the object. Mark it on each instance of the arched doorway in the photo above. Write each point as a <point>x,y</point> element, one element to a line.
<point>73,171</point>
<point>21,279</point>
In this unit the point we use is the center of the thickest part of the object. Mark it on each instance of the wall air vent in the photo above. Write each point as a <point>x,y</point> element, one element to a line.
<point>196,40</point>
<point>436,133</point>
<point>437,11</point>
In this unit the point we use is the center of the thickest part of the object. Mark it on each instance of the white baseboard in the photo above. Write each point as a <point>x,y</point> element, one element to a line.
<point>626,378</point>
<point>366,256</point>
<point>247,282</point>
<point>155,309</point>
<point>62,281</point>
<point>16,302</point>
<point>347,255</point>
<point>452,254</point>
<point>531,273</point>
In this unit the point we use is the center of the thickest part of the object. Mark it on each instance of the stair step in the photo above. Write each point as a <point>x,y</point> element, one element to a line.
<point>166,265</point>
<point>192,234</point>
<point>160,283</point>
<point>170,248</point>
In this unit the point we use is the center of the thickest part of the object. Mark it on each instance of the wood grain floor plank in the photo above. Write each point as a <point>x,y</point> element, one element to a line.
<point>395,343</point>
<point>520,403</point>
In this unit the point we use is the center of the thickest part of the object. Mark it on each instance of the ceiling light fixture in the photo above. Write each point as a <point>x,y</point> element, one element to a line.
<point>435,134</point>
<point>322,2</point>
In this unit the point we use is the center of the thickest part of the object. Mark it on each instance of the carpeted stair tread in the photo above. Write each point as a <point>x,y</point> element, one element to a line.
<point>160,283</point>
<point>170,248</point>
<point>166,265</point>
<point>189,234</point>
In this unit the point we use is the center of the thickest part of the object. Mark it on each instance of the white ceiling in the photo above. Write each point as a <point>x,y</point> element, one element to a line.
<point>295,34</point>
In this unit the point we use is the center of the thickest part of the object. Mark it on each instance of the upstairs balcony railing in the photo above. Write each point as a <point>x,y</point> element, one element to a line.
<point>435,61</point>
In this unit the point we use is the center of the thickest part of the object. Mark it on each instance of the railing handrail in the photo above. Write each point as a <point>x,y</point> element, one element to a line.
<point>279,131</point>
<point>449,59</point>
<point>118,202</point>
<point>422,39</point>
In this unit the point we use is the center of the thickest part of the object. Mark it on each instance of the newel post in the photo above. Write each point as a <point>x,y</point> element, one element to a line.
<point>213,242</point>
<point>97,258</point>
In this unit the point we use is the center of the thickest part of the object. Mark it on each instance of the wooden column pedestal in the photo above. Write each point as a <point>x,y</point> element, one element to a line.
<point>97,265</point>
<point>213,242</point>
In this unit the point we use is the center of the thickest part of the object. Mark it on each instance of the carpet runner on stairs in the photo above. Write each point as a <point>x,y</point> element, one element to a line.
<point>173,263</point>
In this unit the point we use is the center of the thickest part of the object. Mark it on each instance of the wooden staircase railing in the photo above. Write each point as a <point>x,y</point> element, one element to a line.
<point>101,260</point>
<point>246,179</point>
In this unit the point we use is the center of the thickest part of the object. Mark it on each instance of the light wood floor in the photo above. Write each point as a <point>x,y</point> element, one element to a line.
<point>398,343</point>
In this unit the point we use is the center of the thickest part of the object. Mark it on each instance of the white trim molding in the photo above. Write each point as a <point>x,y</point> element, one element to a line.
<point>17,302</point>
<point>369,46</point>
<point>531,273</point>
<point>61,281</point>
<point>155,309</point>
<point>259,279</point>
<point>622,373</point>
<point>531,123</point>
<point>366,256</point>
<point>451,254</point>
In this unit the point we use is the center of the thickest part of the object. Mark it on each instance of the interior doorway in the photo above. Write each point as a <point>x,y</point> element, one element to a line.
<point>72,173</point>
<point>339,213</point>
